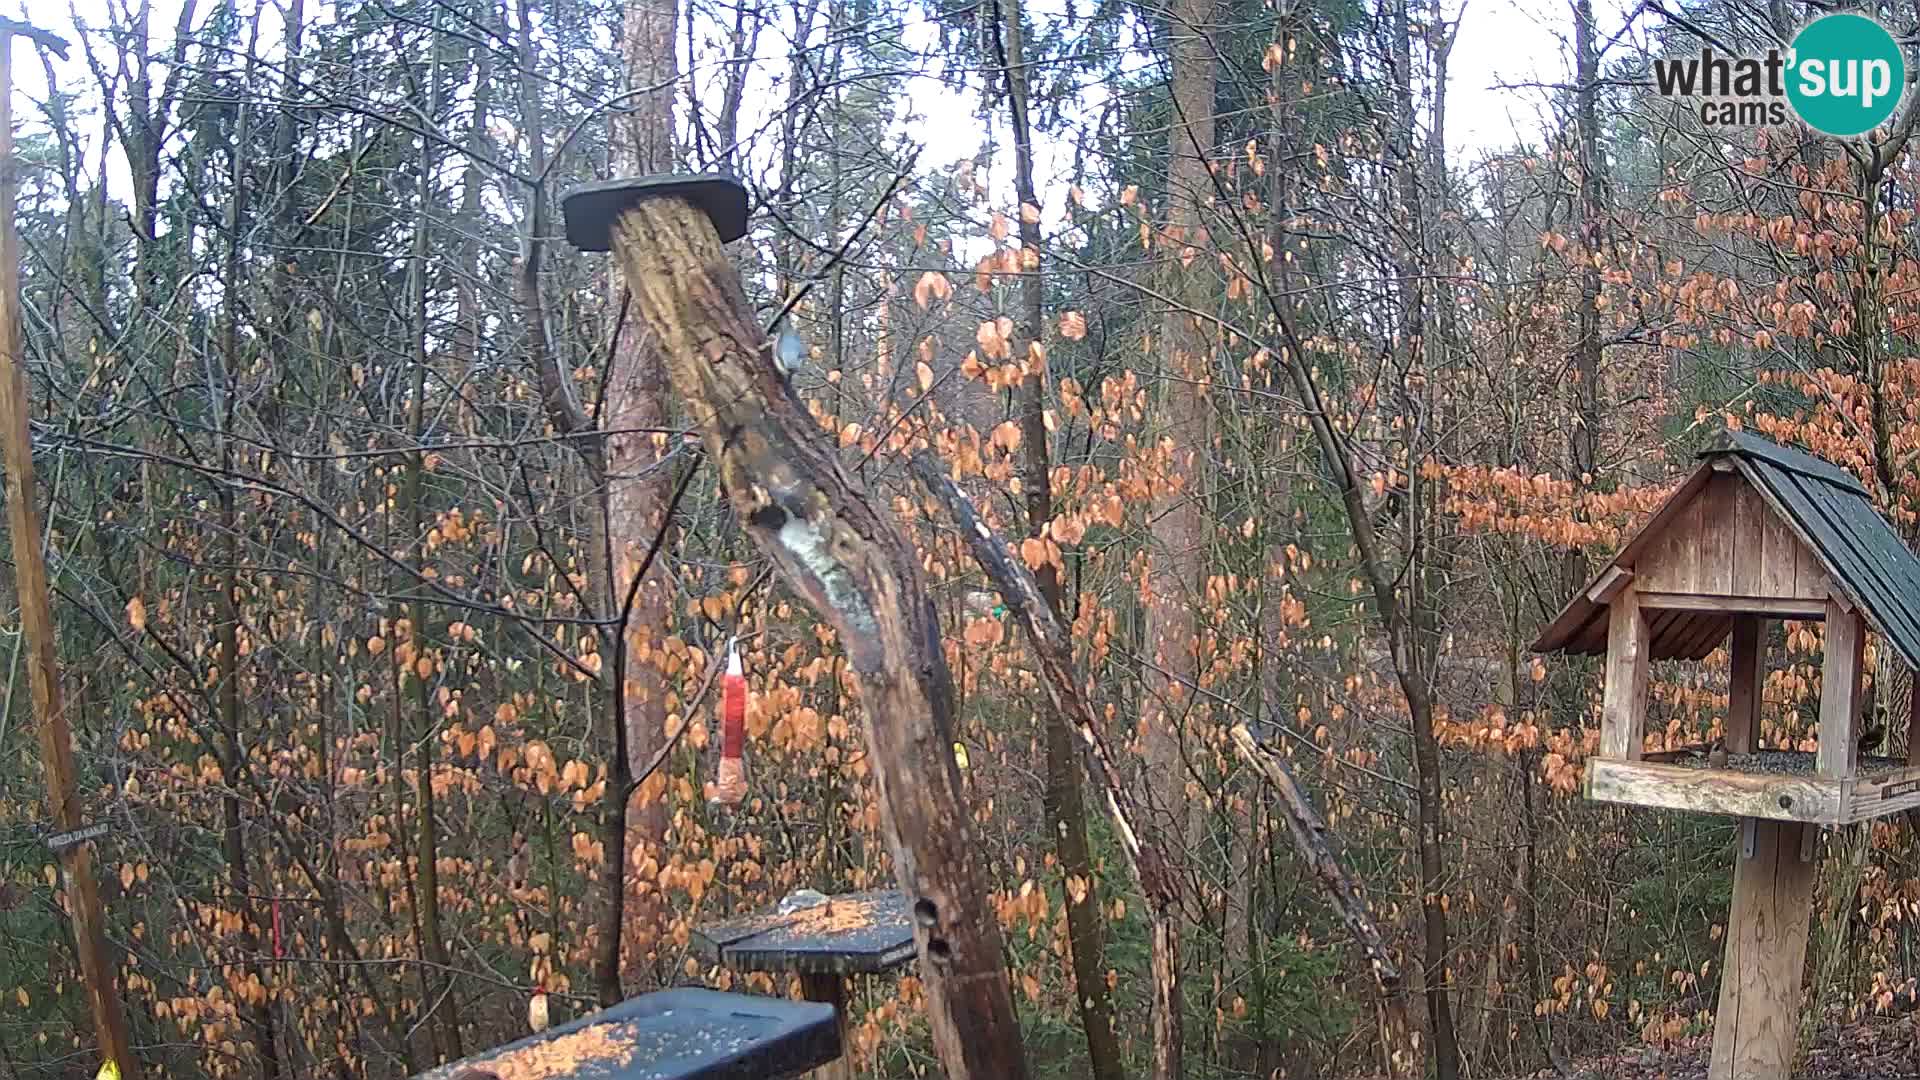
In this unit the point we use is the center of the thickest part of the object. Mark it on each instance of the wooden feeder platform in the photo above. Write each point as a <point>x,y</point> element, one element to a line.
<point>864,932</point>
<point>828,944</point>
<point>1778,785</point>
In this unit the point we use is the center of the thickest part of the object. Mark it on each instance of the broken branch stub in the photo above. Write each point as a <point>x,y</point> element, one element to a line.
<point>854,567</point>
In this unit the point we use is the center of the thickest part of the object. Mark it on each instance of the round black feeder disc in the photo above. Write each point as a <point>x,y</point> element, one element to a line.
<point>591,209</point>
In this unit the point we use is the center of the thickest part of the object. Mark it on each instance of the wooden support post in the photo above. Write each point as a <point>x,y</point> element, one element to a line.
<point>1755,1031</point>
<point>1749,679</point>
<point>36,605</point>
<point>1629,648</point>
<point>1913,721</point>
<point>1840,690</point>
<point>844,554</point>
<point>831,989</point>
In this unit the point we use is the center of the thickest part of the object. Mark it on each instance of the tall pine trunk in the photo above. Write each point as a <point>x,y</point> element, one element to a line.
<point>1065,805</point>
<point>637,481</point>
<point>1177,561</point>
<point>442,1003</point>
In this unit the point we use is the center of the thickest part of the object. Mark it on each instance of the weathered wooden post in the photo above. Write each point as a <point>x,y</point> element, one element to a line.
<point>36,603</point>
<point>845,557</point>
<point>1758,531</point>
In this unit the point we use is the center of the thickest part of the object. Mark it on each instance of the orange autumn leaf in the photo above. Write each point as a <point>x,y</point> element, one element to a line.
<point>933,285</point>
<point>1033,552</point>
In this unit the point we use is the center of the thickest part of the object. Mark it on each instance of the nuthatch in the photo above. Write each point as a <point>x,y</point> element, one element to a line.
<point>787,351</point>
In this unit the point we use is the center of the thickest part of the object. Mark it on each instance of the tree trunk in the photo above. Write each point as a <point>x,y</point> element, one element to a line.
<point>1586,367</point>
<point>637,481</point>
<point>1146,857</point>
<point>852,565</point>
<point>1065,808</point>
<point>1178,555</point>
<point>1312,843</point>
<point>1418,633</point>
<point>443,1016</point>
<point>259,1016</point>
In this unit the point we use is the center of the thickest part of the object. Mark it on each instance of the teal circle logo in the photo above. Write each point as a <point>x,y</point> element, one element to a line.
<point>1846,75</point>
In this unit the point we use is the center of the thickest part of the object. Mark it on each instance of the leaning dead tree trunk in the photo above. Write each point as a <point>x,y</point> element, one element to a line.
<point>1053,651</point>
<point>1312,842</point>
<point>851,563</point>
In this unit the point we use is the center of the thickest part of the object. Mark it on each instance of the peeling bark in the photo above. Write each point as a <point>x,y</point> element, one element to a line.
<point>854,567</point>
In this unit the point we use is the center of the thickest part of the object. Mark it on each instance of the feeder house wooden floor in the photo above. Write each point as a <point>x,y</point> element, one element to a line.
<point>1779,785</point>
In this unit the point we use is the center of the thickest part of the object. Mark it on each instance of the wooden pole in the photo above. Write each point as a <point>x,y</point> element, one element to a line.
<point>1623,711</point>
<point>829,988</point>
<point>1757,1027</point>
<point>36,606</point>
<point>1840,691</point>
<point>1755,1030</point>
<point>853,566</point>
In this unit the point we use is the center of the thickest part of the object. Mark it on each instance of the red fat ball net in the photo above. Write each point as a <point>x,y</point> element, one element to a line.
<point>731,786</point>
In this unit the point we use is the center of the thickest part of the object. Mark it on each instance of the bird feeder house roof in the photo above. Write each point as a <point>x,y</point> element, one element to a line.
<point>1757,528</point>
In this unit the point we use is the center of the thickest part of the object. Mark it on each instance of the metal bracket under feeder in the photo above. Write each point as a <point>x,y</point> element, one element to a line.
<point>1750,846</point>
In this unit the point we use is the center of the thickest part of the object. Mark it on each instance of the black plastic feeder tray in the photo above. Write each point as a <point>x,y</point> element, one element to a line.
<point>683,1034</point>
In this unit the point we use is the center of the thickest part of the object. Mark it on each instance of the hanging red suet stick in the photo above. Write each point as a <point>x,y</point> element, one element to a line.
<point>731,786</point>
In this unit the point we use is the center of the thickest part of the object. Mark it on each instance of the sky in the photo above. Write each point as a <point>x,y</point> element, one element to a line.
<point>1503,46</point>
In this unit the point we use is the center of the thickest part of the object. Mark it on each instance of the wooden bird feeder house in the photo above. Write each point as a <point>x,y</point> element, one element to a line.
<point>1756,532</point>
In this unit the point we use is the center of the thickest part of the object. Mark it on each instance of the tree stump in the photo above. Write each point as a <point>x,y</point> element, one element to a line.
<point>845,558</point>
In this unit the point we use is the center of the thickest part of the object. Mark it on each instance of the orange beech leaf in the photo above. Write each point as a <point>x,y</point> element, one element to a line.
<point>1033,552</point>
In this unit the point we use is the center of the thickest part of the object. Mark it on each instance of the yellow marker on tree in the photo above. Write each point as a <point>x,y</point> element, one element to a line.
<point>108,1071</point>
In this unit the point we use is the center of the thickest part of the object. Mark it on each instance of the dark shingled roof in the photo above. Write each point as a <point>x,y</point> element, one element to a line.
<point>1832,514</point>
